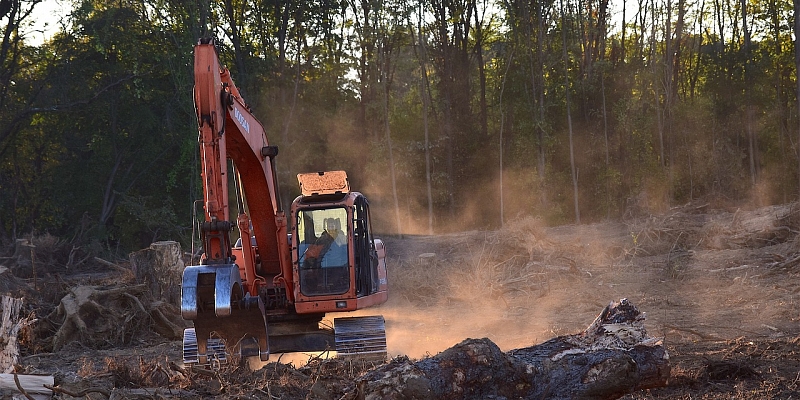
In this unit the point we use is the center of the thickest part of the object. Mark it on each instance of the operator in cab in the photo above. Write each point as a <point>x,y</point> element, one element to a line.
<point>331,236</point>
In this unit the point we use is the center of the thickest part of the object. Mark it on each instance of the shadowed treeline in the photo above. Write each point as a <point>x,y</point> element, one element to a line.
<point>448,115</point>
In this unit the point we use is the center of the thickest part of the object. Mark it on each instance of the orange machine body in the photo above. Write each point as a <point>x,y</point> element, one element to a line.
<point>267,288</point>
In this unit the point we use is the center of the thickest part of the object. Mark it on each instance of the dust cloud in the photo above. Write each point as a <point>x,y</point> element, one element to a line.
<point>692,272</point>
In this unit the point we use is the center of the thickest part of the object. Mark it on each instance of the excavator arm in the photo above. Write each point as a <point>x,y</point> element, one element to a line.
<point>228,130</point>
<point>222,294</point>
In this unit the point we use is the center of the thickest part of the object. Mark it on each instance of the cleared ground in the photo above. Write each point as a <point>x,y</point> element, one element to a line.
<point>719,286</point>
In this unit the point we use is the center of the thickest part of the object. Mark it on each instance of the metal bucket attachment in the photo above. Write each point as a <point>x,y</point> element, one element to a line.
<point>244,332</point>
<point>224,316</point>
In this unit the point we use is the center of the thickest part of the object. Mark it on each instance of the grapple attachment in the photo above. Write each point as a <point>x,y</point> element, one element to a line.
<point>225,318</point>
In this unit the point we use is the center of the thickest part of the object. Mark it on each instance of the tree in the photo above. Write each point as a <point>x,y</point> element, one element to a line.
<point>123,127</point>
<point>796,27</point>
<point>573,169</point>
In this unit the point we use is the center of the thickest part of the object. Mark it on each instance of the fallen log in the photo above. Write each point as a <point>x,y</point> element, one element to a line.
<point>611,358</point>
<point>32,385</point>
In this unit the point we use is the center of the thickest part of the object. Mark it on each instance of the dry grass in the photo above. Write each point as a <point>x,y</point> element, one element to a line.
<point>516,261</point>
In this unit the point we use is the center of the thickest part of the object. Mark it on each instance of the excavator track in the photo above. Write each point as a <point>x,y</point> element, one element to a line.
<point>361,337</point>
<point>214,347</point>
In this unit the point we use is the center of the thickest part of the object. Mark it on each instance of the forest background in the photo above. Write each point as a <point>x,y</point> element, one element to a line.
<point>449,115</point>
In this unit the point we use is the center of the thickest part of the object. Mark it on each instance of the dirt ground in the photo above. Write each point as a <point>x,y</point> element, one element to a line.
<point>719,286</point>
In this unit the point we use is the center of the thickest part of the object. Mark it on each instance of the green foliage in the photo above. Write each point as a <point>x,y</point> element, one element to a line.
<point>98,123</point>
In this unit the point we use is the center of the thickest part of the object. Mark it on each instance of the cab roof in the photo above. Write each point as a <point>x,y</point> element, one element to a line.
<point>323,183</point>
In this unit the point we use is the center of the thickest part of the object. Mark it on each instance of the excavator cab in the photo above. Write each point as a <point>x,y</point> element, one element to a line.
<point>322,253</point>
<point>339,265</point>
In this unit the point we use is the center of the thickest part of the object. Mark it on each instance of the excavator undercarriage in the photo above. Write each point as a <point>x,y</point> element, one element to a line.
<point>242,326</point>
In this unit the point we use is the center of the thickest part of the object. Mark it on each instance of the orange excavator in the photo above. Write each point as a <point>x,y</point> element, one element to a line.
<point>270,294</point>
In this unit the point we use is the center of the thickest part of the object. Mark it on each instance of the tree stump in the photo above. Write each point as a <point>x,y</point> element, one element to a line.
<point>25,259</point>
<point>98,317</point>
<point>10,326</point>
<point>160,269</point>
<point>611,358</point>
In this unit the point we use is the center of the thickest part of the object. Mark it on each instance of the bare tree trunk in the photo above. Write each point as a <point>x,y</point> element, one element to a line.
<point>502,122</point>
<point>481,68</point>
<point>624,5</point>
<point>9,43</point>
<point>428,190</point>
<point>603,27</point>
<point>204,9</point>
<point>423,58</point>
<point>781,83</point>
<point>695,70</point>
<point>569,116</point>
<point>281,16</point>
<point>720,16</point>
<point>656,84</point>
<point>751,134</point>
<point>385,103</point>
<point>797,82</point>
<point>608,151</point>
<point>678,46</point>
<point>541,12</point>
<point>109,195</point>
<point>236,40</point>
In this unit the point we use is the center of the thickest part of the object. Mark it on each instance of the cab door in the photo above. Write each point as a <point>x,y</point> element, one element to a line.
<point>366,256</point>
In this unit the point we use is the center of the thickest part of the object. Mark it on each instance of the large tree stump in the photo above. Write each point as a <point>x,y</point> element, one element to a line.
<point>96,316</point>
<point>10,326</point>
<point>160,268</point>
<point>612,357</point>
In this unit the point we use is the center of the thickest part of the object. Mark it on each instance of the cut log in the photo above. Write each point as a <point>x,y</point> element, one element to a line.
<point>31,384</point>
<point>611,358</point>
<point>160,267</point>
